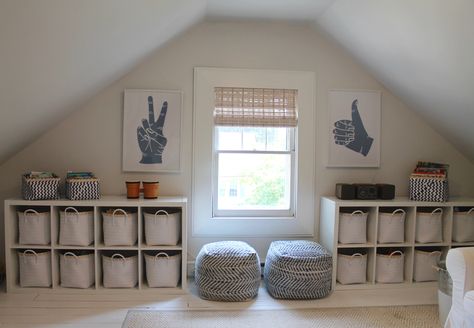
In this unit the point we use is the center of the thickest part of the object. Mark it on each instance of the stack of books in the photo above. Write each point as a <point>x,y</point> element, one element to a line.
<point>430,170</point>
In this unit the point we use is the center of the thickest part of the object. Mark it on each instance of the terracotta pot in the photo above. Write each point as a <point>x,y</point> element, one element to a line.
<point>133,189</point>
<point>150,189</point>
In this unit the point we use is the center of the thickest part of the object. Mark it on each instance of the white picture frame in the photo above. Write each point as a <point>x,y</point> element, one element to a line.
<point>152,131</point>
<point>354,128</point>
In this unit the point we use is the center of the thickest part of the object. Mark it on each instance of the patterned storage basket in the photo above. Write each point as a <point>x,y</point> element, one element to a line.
<point>120,271</point>
<point>429,189</point>
<point>227,271</point>
<point>162,228</point>
<point>390,268</point>
<point>76,228</point>
<point>120,228</point>
<point>39,188</point>
<point>425,265</point>
<point>82,189</point>
<point>298,269</point>
<point>35,268</point>
<point>352,269</point>
<point>463,226</point>
<point>353,227</point>
<point>163,270</point>
<point>391,227</point>
<point>429,226</point>
<point>34,227</point>
<point>76,271</point>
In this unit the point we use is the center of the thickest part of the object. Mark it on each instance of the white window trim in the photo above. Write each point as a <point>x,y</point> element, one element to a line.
<point>203,224</point>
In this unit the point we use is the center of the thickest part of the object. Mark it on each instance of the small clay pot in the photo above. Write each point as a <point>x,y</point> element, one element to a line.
<point>150,189</point>
<point>133,189</point>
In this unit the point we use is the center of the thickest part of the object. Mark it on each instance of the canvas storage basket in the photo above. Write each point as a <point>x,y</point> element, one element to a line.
<point>227,271</point>
<point>162,228</point>
<point>120,228</point>
<point>163,270</point>
<point>390,268</point>
<point>298,269</point>
<point>353,227</point>
<point>82,189</point>
<point>463,226</point>
<point>429,226</point>
<point>34,228</point>
<point>391,227</point>
<point>429,189</point>
<point>120,271</point>
<point>76,228</point>
<point>76,271</point>
<point>39,188</point>
<point>352,269</point>
<point>425,265</point>
<point>35,268</point>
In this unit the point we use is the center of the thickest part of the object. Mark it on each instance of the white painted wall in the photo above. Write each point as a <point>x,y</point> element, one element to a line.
<point>91,138</point>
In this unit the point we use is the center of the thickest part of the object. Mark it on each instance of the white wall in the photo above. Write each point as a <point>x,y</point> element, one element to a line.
<point>91,138</point>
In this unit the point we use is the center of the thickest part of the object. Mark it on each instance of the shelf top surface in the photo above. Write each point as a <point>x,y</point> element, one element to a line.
<point>400,201</point>
<point>119,200</point>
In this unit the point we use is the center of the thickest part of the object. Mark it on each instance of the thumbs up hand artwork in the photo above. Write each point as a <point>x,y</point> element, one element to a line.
<point>352,133</point>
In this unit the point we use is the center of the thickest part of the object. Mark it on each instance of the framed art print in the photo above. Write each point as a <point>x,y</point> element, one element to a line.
<point>354,128</point>
<point>152,131</point>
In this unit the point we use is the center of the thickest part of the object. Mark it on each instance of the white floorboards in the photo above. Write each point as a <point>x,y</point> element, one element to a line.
<point>47,310</point>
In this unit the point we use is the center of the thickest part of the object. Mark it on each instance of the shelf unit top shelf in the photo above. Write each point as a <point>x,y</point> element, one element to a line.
<point>399,201</point>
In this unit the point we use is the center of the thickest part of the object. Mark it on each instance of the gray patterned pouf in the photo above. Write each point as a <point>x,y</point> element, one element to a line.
<point>298,269</point>
<point>227,271</point>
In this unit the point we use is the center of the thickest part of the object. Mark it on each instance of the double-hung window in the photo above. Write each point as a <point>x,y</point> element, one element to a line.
<point>254,152</point>
<point>253,171</point>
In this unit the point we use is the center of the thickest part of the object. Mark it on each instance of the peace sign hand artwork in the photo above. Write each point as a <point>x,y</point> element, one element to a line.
<point>352,133</point>
<point>150,136</point>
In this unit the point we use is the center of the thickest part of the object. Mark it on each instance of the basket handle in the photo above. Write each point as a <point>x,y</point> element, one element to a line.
<point>395,252</point>
<point>161,253</point>
<point>74,210</point>
<point>161,211</point>
<point>435,253</point>
<point>437,210</point>
<point>119,256</point>
<point>119,210</point>
<point>30,210</point>
<point>70,254</point>
<point>398,210</point>
<point>471,210</point>
<point>357,255</point>
<point>32,252</point>
<point>357,212</point>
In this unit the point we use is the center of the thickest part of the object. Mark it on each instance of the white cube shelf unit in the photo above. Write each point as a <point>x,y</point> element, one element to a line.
<point>331,207</point>
<point>98,248</point>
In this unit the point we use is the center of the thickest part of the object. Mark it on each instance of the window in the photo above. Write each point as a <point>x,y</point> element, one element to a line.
<point>230,150</point>
<point>254,152</point>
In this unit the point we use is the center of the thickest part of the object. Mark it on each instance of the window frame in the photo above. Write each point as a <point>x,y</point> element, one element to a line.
<point>203,224</point>
<point>264,213</point>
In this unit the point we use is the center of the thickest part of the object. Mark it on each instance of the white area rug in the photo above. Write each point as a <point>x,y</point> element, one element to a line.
<point>423,316</point>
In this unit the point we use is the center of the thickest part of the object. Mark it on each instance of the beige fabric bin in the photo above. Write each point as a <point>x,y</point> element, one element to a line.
<point>463,226</point>
<point>120,228</point>
<point>120,271</point>
<point>429,226</point>
<point>35,268</point>
<point>76,271</point>
<point>391,227</point>
<point>34,228</point>
<point>76,228</point>
<point>162,228</point>
<point>390,268</point>
<point>353,227</point>
<point>425,265</point>
<point>351,269</point>
<point>163,270</point>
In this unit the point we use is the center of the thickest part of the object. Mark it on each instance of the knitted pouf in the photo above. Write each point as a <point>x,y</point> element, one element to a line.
<point>227,271</point>
<point>298,269</point>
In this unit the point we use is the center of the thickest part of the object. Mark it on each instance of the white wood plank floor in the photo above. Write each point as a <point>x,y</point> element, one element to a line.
<point>47,310</point>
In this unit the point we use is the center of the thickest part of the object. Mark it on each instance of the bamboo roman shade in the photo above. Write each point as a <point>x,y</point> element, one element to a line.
<point>255,107</point>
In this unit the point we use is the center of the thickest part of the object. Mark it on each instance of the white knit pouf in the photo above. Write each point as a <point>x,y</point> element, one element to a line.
<point>298,269</point>
<point>227,271</point>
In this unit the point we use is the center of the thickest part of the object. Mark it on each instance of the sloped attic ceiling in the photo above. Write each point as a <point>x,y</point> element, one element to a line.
<point>56,54</point>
